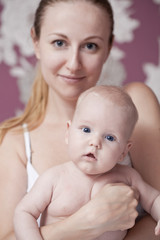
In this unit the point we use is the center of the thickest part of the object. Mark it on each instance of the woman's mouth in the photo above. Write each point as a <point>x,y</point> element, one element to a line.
<point>71,79</point>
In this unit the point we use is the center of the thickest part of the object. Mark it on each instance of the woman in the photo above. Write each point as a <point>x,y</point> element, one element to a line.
<point>72,40</point>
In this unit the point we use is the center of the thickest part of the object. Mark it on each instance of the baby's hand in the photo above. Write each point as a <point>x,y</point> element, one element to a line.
<point>157,229</point>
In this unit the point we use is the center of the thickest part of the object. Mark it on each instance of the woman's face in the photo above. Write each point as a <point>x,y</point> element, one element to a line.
<point>73,46</point>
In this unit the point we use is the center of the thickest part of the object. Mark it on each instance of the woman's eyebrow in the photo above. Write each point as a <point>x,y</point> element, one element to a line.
<point>85,39</point>
<point>93,37</point>
<point>58,35</point>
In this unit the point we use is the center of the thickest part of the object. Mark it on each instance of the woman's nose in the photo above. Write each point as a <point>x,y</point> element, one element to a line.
<point>74,61</point>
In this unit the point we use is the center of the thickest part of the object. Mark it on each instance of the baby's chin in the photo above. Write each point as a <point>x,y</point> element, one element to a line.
<point>90,170</point>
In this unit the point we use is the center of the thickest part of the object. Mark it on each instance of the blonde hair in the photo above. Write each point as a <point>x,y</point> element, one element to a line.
<point>34,111</point>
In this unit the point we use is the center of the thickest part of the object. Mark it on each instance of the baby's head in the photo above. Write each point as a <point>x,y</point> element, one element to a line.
<point>99,135</point>
<point>115,96</point>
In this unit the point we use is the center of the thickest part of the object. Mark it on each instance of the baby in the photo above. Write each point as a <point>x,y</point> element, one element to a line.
<point>98,139</point>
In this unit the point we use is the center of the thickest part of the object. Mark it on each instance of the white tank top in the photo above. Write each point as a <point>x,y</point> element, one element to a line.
<point>31,172</point>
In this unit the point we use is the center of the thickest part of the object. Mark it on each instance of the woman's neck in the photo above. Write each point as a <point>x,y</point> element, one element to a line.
<point>59,109</point>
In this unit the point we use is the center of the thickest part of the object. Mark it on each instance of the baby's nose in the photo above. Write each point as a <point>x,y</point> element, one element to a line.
<point>95,142</point>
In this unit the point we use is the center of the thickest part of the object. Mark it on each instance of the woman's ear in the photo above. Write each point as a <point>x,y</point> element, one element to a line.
<point>67,131</point>
<point>35,43</point>
<point>126,150</point>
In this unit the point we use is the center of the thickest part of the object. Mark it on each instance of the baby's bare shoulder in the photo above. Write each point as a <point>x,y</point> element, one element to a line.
<point>119,174</point>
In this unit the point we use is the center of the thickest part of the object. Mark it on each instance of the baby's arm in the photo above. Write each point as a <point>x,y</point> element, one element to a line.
<point>155,212</point>
<point>31,206</point>
<point>149,198</point>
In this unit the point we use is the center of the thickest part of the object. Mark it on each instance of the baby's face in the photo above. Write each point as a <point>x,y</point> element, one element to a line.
<point>97,136</point>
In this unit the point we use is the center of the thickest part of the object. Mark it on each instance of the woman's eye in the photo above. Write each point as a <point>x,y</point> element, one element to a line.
<point>86,130</point>
<point>91,46</point>
<point>59,43</point>
<point>110,138</point>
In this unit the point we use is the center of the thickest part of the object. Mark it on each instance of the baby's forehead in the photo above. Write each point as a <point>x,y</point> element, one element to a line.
<point>89,96</point>
<point>94,103</point>
<point>95,97</point>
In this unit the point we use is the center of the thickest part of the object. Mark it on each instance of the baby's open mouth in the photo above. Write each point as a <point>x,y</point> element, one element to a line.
<point>91,156</point>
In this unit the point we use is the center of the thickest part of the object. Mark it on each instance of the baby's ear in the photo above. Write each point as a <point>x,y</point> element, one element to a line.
<point>128,147</point>
<point>126,150</point>
<point>66,136</point>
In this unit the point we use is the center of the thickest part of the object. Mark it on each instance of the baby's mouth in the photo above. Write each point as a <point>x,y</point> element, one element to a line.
<point>91,156</point>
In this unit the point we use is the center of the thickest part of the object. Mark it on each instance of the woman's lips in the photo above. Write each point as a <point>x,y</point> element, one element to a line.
<point>71,79</point>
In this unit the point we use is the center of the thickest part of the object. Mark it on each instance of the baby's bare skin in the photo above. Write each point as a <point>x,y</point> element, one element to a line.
<point>66,194</point>
<point>97,143</point>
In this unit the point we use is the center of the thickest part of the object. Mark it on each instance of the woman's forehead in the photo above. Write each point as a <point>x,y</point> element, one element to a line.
<point>80,15</point>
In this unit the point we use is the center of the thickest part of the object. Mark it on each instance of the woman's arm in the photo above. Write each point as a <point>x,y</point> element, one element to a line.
<point>113,208</point>
<point>13,183</point>
<point>86,223</point>
<point>145,152</point>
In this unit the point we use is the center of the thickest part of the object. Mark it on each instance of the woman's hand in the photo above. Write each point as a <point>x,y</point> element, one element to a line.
<point>113,208</point>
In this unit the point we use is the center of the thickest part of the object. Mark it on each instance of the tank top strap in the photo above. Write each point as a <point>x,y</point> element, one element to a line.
<point>31,172</point>
<point>27,142</point>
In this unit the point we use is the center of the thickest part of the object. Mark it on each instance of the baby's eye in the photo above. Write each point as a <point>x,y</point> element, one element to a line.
<point>86,129</point>
<point>110,138</point>
<point>59,43</point>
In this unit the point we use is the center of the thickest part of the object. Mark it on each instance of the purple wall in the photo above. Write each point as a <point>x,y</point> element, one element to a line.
<point>143,49</point>
<point>145,46</point>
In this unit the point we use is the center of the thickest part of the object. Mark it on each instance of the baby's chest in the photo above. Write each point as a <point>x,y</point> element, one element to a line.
<point>68,198</point>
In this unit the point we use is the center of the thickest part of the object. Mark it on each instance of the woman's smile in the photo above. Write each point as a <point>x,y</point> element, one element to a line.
<point>71,79</point>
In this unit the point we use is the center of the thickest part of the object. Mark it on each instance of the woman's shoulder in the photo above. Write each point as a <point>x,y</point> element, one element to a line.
<point>139,91</point>
<point>13,135</point>
<point>13,144</point>
<point>145,101</point>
